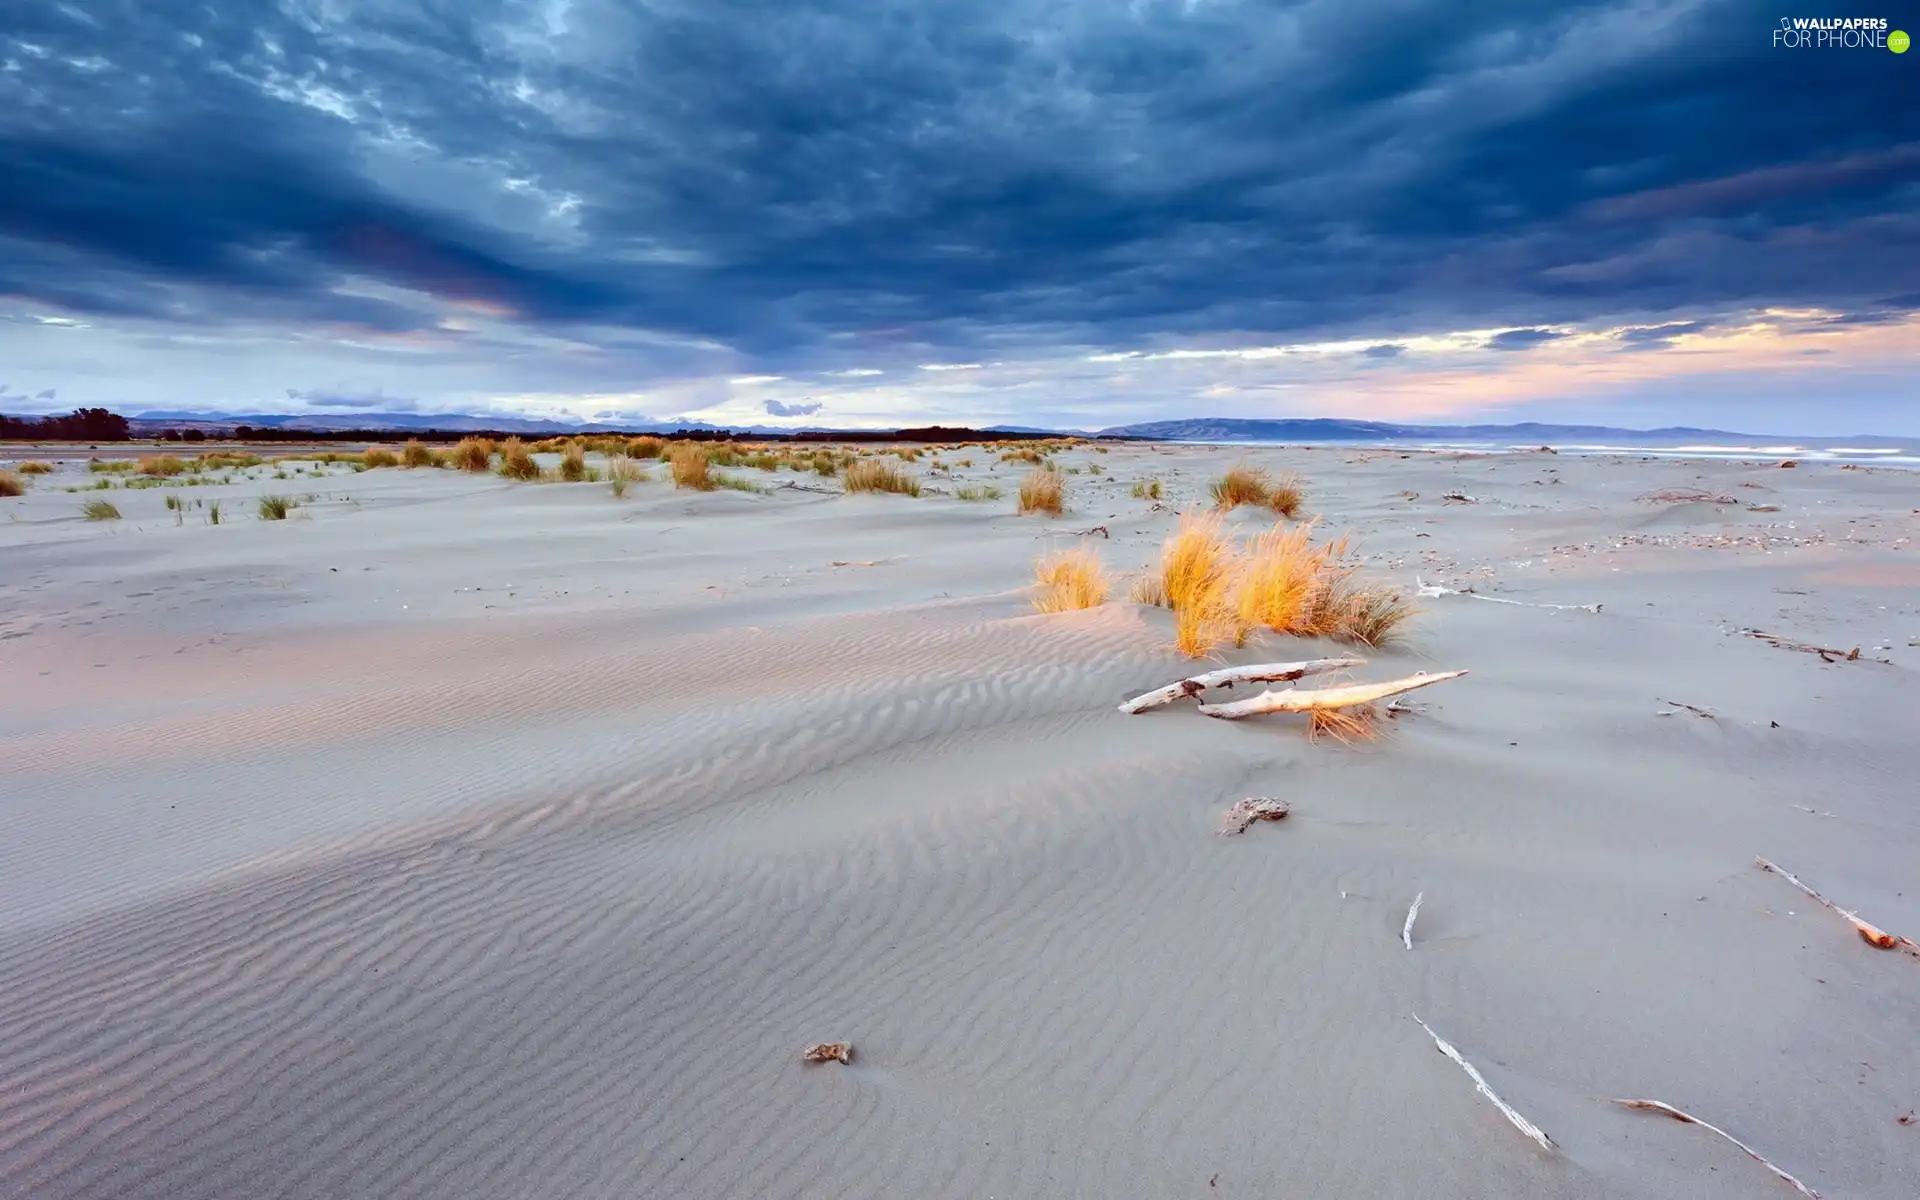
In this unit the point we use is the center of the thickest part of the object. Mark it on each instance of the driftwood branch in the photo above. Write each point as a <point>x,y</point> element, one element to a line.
<point>1826,653</point>
<point>1534,1132</point>
<point>1228,676</point>
<point>1319,699</point>
<point>1873,935</point>
<point>1690,1119</point>
<point>1433,591</point>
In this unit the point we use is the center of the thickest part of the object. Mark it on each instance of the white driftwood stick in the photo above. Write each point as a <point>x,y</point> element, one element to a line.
<point>1869,933</point>
<point>1256,673</point>
<point>1310,699</point>
<point>1413,914</point>
<point>1525,1126</point>
<point>1433,591</point>
<point>1690,1119</point>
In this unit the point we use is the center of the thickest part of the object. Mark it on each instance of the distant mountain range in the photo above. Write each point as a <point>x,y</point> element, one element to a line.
<point>1224,429</point>
<point>1196,429</point>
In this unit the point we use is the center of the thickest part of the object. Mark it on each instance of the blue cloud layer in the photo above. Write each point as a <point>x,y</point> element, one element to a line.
<point>812,186</point>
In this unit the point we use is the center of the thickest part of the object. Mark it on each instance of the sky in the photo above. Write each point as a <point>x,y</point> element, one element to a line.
<point>873,213</point>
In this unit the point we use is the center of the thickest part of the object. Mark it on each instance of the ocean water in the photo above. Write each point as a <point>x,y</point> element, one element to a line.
<point>1880,456</point>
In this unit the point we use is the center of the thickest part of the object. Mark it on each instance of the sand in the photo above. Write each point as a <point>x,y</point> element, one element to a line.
<point>458,838</point>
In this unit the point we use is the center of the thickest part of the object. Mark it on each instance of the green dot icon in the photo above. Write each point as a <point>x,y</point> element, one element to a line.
<point>1898,41</point>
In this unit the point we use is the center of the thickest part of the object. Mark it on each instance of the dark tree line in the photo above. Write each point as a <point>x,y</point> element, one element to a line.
<point>80,425</point>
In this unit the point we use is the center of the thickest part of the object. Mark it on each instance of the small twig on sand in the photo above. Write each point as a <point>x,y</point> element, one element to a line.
<point>1460,498</point>
<point>1433,591</point>
<point>1313,699</point>
<point>1692,708</point>
<point>1406,931</point>
<point>1228,676</point>
<point>840,1052</point>
<point>1244,813</point>
<point>1873,935</point>
<point>1099,529</point>
<point>1816,812</point>
<point>1525,1126</point>
<point>1690,1119</point>
<point>1826,653</point>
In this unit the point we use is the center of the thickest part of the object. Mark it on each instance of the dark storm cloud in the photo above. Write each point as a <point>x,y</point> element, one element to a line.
<point>1523,339</point>
<point>1660,337</point>
<point>778,409</point>
<point>819,181</point>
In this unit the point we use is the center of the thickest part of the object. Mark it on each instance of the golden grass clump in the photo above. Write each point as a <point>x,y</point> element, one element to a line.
<point>1287,495</point>
<point>573,462</point>
<point>1282,579</point>
<point>11,484</point>
<point>1242,484</point>
<point>1043,490</point>
<point>109,466</point>
<point>872,475</point>
<point>158,465</point>
<point>646,448</point>
<point>1199,569</point>
<point>1360,723</point>
<point>35,468</point>
<point>100,510</point>
<point>379,456</point>
<point>622,473</point>
<point>415,454</point>
<point>1069,580</point>
<point>1147,489</point>
<point>1026,454</point>
<point>691,465</point>
<point>473,454</point>
<point>516,461</point>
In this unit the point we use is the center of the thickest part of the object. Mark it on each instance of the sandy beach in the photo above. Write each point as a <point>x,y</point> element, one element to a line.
<point>457,837</point>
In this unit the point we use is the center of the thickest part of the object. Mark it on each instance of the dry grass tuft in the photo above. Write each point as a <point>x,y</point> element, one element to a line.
<point>11,484</point>
<point>1198,570</point>
<point>872,475</point>
<point>276,508</point>
<point>1242,484</point>
<point>573,462</point>
<point>975,492</point>
<point>472,454</point>
<point>100,510</point>
<point>1147,489</point>
<point>646,448</point>
<point>1359,723</point>
<point>622,473</point>
<point>1282,576</point>
<point>158,465</point>
<point>379,456</point>
<point>109,466</point>
<point>1148,588</point>
<point>1287,495</point>
<point>516,461</point>
<point>1374,618</point>
<point>691,465</point>
<point>1069,580</point>
<point>415,454</point>
<point>1043,490</point>
<point>35,468</point>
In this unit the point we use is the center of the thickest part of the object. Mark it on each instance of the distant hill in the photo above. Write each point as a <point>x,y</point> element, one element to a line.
<point>1323,429</point>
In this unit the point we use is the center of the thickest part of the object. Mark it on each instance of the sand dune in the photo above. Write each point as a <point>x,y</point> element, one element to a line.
<point>460,838</point>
